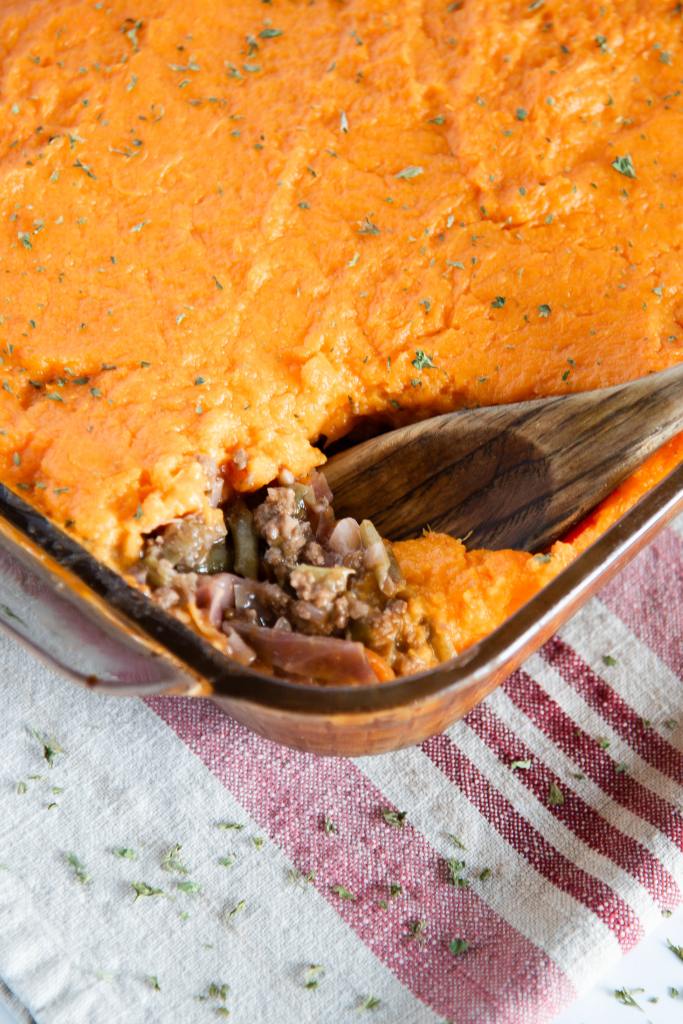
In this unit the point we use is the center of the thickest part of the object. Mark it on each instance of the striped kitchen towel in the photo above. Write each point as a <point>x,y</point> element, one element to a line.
<point>159,863</point>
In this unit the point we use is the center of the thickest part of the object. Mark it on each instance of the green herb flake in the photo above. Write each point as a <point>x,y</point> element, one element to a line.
<point>329,827</point>
<point>544,310</point>
<point>609,660</point>
<point>313,975</point>
<point>676,950</point>
<point>227,861</point>
<point>270,33</point>
<point>367,227</point>
<point>485,874</point>
<point>523,764</point>
<point>521,114</point>
<point>498,302</point>
<point>343,893</point>
<point>603,742</point>
<point>153,982</point>
<point>171,863</point>
<point>601,43</point>
<point>191,888</point>
<point>258,842</point>
<point>411,171</point>
<point>417,930</point>
<point>295,876</point>
<point>458,946</point>
<point>237,909</point>
<point>124,853</point>
<point>455,869</point>
<point>369,1003</point>
<point>50,747</point>
<point>438,120</point>
<point>229,826</point>
<point>139,226</point>
<point>199,381</point>
<point>396,819</point>
<point>143,889</point>
<point>86,170</point>
<point>422,361</point>
<point>624,165</point>
<point>625,996</point>
<point>25,239</point>
<point>555,795</point>
<point>21,788</point>
<point>343,122</point>
<point>80,873</point>
<point>217,990</point>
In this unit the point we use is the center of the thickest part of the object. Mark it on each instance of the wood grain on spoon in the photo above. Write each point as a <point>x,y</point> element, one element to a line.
<point>511,475</point>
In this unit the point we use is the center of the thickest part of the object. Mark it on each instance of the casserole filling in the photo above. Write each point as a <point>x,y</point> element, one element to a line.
<point>290,585</point>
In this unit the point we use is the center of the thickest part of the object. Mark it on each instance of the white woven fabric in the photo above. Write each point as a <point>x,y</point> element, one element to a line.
<point>81,954</point>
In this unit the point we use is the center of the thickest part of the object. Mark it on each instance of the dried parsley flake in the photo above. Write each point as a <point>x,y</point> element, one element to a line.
<point>624,164</point>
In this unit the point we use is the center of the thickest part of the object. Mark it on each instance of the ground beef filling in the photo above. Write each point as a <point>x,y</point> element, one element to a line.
<point>292,587</point>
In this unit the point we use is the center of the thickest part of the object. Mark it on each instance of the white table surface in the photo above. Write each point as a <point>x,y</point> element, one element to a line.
<point>650,966</point>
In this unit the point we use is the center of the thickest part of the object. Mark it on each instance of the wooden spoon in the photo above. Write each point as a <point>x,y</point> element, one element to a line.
<point>510,475</point>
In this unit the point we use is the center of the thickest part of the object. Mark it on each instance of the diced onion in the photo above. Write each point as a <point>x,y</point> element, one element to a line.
<point>313,657</point>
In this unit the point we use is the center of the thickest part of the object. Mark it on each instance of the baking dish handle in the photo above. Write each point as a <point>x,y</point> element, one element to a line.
<point>75,636</point>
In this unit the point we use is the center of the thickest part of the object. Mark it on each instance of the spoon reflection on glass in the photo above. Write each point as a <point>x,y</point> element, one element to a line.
<point>510,475</point>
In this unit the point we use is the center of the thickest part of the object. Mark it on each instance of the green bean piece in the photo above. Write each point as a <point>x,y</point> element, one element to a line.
<point>245,542</point>
<point>219,559</point>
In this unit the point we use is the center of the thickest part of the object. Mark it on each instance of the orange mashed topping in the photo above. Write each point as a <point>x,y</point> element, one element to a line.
<point>235,227</point>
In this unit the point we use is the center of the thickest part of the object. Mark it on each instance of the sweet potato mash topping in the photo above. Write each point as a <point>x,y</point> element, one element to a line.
<point>229,229</point>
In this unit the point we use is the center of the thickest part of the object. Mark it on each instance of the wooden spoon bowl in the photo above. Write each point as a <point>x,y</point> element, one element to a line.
<point>511,475</point>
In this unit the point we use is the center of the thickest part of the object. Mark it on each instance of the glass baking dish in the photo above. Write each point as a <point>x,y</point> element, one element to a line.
<point>87,621</point>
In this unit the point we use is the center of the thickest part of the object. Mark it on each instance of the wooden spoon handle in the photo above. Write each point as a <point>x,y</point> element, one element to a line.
<point>512,475</point>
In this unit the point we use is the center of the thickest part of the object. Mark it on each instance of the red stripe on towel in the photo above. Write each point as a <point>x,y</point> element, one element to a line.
<point>597,693</point>
<point>288,793</point>
<point>523,837</point>
<point>583,820</point>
